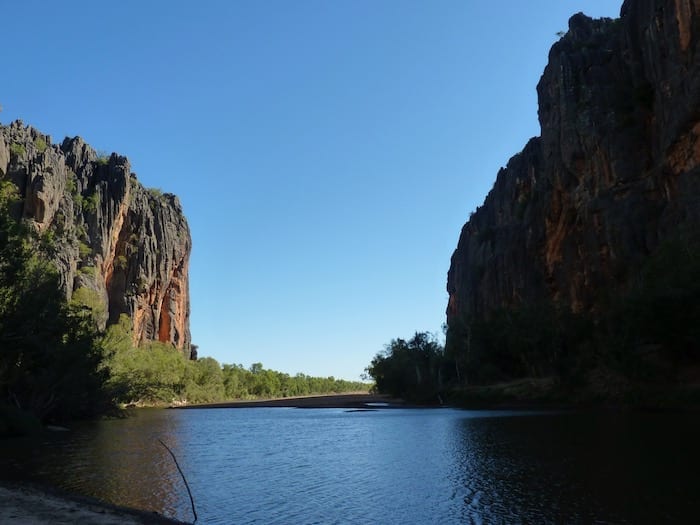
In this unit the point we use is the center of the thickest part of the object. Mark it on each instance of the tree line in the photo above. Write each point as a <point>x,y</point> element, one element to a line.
<point>55,364</point>
<point>414,369</point>
<point>157,373</point>
<point>643,338</point>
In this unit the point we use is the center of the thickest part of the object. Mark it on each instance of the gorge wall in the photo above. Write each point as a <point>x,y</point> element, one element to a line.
<point>119,247</point>
<point>614,173</point>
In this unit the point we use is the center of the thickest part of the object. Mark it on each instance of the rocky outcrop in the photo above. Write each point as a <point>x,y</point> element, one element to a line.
<point>118,246</point>
<point>615,171</point>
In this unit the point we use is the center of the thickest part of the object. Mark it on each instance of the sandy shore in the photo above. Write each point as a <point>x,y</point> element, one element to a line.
<point>24,504</point>
<point>349,401</point>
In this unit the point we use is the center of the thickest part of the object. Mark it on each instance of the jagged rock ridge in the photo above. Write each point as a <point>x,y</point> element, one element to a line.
<point>128,244</point>
<point>614,172</point>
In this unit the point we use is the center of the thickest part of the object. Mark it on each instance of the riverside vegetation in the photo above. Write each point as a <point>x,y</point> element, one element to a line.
<point>50,360</point>
<point>640,349</point>
<point>55,364</point>
<point>157,374</point>
<point>578,278</point>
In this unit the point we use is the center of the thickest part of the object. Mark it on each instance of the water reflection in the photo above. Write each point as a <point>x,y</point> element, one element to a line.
<point>573,468</point>
<point>119,461</point>
<point>388,466</point>
<point>124,454</point>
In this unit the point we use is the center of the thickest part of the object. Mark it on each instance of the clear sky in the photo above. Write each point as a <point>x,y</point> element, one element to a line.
<point>327,153</point>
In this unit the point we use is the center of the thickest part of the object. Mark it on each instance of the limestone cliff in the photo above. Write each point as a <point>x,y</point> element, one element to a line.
<point>127,244</point>
<point>615,171</point>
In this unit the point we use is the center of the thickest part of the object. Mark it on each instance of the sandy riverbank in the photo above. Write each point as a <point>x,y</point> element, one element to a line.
<point>24,504</point>
<point>350,401</point>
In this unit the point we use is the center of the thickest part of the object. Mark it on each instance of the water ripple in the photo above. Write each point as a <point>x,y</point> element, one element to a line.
<point>282,466</point>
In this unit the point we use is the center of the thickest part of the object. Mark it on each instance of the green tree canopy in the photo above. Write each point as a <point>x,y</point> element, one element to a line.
<point>50,359</point>
<point>410,369</point>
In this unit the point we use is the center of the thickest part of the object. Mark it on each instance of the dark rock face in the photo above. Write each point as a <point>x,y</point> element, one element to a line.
<point>129,245</point>
<point>615,171</point>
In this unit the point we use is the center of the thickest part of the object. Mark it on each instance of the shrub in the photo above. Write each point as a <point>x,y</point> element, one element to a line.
<point>47,240</point>
<point>40,144</point>
<point>87,303</point>
<point>17,150</point>
<point>91,202</point>
<point>153,374</point>
<point>120,262</point>
<point>103,158</point>
<point>90,271</point>
<point>71,182</point>
<point>84,250</point>
<point>81,232</point>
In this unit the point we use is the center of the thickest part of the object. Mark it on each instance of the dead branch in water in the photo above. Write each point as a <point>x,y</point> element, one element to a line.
<point>187,486</point>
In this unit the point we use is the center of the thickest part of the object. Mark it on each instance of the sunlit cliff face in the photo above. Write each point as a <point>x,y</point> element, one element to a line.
<point>128,245</point>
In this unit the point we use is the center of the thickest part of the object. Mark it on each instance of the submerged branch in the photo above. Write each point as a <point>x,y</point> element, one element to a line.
<point>187,486</point>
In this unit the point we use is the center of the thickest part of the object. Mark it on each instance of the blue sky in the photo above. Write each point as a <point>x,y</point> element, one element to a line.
<point>327,153</point>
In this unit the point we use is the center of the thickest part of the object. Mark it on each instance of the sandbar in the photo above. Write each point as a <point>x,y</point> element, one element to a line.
<point>350,401</point>
<point>27,504</point>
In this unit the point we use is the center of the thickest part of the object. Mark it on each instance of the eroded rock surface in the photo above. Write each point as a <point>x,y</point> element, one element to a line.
<point>615,171</point>
<point>128,245</point>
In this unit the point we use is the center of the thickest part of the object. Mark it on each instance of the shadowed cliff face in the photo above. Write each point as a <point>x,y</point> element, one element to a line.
<point>127,246</point>
<point>615,171</point>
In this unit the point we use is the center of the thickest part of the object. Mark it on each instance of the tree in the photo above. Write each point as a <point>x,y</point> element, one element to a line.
<point>204,381</point>
<point>50,357</point>
<point>410,369</point>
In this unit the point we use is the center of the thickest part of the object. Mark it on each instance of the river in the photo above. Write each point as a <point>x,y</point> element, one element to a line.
<point>288,466</point>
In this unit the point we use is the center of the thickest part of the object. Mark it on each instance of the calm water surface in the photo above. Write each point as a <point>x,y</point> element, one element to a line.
<point>278,465</point>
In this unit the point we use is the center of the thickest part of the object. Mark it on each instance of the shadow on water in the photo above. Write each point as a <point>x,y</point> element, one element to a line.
<point>277,465</point>
<point>578,468</point>
<point>118,461</point>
